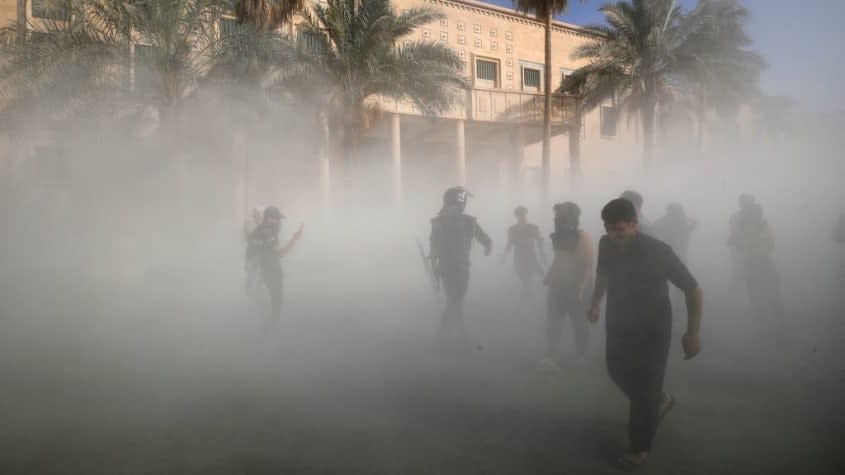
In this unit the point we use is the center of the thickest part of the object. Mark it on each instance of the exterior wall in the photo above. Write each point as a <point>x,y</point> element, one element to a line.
<point>481,31</point>
<point>8,12</point>
<point>476,30</point>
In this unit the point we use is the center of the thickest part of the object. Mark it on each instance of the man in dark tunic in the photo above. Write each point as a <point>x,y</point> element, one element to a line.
<point>452,233</point>
<point>633,270</point>
<point>525,240</point>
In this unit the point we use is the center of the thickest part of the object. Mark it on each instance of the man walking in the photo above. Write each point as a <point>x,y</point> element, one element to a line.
<point>525,241</point>
<point>752,244</point>
<point>452,234</point>
<point>568,278</point>
<point>633,270</point>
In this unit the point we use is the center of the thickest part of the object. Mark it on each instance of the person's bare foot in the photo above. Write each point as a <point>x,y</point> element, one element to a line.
<point>667,405</point>
<point>632,461</point>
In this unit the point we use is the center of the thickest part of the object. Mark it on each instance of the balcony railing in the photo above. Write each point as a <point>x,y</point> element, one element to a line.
<point>501,106</point>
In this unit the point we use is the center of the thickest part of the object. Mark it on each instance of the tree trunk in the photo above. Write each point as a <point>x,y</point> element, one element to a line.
<point>239,174</point>
<point>324,147</point>
<point>547,108</point>
<point>575,146</point>
<point>20,21</point>
<point>701,116</point>
<point>647,113</point>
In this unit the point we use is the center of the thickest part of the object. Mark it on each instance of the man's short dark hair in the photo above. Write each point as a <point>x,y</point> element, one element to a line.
<point>633,197</point>
<point>620,209</point>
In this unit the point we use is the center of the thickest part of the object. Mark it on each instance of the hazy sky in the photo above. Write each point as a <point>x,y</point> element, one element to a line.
<point>801,40</point>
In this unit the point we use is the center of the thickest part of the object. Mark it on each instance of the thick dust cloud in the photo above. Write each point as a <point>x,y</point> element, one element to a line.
<point>128,345</point>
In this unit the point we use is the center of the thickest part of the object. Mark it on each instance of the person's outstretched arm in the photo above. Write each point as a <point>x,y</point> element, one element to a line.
<point>691,340</point>
<point>483,239</point>
<point>284,250</point>
<point>678,274</point>
<point>600,288</point>
<point>586,250</point>
<point>539,239</point>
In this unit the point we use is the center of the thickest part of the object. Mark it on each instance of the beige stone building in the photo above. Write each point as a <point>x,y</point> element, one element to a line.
<point>498,127</point>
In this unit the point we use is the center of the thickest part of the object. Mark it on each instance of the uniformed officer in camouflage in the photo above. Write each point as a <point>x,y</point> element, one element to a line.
<point>452,233</point>
<point>264,249</point>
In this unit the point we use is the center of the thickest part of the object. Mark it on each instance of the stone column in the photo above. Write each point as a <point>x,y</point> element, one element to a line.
<point>460,153</point>
<point>396,153</point>
<point>575,146</point>
<point>325,164</point>
<point>516,158</point>
<point>240,175</point>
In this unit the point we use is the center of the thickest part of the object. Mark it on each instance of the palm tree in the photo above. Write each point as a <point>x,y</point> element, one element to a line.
<point>141,61</point>
<point>545,10</point>
<point>58,62</point>
<point>168,45</point>
<point>355,50</point>
<point>267,15</point>
<point>651,51</point>
<point>727,72</point>
<point>255,45</point>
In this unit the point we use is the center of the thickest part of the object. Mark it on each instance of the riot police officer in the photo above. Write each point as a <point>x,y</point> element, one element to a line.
<point>452,234</point>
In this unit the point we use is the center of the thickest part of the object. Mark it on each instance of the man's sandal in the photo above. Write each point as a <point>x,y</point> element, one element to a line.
<point>628,463</point>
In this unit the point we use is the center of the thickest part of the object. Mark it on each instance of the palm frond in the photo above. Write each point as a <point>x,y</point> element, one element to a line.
<point>357,49</point>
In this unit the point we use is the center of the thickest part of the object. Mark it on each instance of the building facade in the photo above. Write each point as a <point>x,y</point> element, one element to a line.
<point>498,125</point>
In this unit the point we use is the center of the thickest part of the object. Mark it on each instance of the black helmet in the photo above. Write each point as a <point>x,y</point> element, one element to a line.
<point>633,197</point>
<point>674,209</point>
<point>457,196</point>
<point>271,212</point>
<point>746,201</point>
<point>568,209</point>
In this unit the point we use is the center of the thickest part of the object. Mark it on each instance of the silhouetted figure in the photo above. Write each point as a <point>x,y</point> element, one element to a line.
<point>675,229</point>
<point>644,225</point>
<point>525,241</point>
<point>264,251</point>
<point>633,269</point>
<point>752,245</point>
<point>252,264</point>
<point>452,233</point>
<point>745,202</point>
<point>569,276</point>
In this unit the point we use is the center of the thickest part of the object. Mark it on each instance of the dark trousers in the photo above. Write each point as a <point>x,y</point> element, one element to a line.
<point>455,283</point>
<point>564,302</point>
<point>529,272</point>
<point>763,287</point>
<point>273,281</point>
<point>636,362</point>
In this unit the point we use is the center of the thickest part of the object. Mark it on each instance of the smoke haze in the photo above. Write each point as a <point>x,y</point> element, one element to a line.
<point>127,344</point>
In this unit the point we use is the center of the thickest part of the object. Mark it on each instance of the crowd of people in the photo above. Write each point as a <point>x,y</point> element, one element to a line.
<point>629,267</point>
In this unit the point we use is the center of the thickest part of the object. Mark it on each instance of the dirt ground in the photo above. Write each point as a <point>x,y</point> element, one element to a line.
<point>355,387</point>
